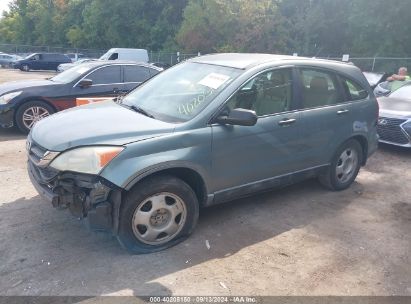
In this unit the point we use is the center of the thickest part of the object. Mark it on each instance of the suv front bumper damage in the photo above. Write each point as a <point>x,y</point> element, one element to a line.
<point>6,116</point>
<point>88,197</point>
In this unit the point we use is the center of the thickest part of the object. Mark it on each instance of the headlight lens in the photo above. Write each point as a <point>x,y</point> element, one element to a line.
<point>7,97</point>
<point>86,160</point>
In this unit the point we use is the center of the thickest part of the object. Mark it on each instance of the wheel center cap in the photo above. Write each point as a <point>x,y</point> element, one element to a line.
<point>159,217</point>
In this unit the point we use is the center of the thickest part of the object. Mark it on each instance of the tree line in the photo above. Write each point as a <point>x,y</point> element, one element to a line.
<point>307,27</point>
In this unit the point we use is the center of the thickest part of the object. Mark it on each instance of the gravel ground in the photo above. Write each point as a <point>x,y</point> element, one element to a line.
<point>301,240</point>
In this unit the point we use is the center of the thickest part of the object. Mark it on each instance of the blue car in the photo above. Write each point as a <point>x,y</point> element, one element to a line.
<point>41,61</point>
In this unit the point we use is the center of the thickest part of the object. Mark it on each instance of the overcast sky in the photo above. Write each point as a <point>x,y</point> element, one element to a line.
<point>4,4</point>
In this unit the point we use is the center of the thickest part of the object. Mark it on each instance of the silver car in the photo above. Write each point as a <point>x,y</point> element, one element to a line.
<point>394,123</point>
<point>65,66</point>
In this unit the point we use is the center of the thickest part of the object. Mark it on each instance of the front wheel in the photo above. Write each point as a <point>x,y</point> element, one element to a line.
<point>156,214</point>
<point>344,167</point>
<point>31,112</point>
<point>25,68</point>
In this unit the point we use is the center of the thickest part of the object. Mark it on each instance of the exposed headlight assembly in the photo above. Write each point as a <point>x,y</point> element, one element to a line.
<point>89,160</point>
<point>8,97</point>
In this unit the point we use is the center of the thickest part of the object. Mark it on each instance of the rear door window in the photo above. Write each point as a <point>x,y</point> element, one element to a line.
<point>319,88</point>
<point>106,75</point>
<point>134,73</point>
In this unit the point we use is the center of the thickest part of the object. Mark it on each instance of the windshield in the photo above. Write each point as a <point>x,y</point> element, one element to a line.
<point>180,93</point>
<point>403,93</point>
<point>71,74</point>
<point>29,56</point>
<point>105,56</point>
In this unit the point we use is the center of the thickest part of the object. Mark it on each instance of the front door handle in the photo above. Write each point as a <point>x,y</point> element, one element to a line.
<point>286,121</point>
<point>340,112</point>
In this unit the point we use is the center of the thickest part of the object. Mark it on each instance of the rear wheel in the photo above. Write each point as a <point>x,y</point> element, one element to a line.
<point>156,214</point>
<point>31,112</point>
<point>344,167</point>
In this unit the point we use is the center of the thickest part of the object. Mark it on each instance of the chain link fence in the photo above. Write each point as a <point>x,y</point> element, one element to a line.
<point>25,50</point>
<point>170,58</point>
<point>372,64</point>
<point>388,65</point>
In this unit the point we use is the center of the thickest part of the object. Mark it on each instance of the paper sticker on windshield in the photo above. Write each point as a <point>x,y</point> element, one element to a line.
<point>214,80</point>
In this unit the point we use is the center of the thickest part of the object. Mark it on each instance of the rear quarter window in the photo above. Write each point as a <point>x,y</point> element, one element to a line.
<point>354,90</point>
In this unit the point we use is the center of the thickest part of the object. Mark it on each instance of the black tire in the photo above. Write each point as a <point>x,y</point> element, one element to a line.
<point>137,199</point>
<point>336,182</point>
<point>27,105</point>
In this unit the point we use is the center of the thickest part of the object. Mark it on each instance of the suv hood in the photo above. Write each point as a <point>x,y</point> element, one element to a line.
<point>12,86</point>
<point>105,123</point>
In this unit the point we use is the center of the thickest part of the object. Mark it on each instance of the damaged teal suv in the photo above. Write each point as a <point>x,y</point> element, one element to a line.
<point>209,130</point>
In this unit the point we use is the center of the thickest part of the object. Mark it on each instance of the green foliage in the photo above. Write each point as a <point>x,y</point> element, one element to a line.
<point>97,24</point>
<point>309,27</point>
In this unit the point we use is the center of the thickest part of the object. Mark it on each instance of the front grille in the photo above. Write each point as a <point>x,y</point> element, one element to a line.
<point>389,130</point>
<point>45,174</point>
<point>36,152</point>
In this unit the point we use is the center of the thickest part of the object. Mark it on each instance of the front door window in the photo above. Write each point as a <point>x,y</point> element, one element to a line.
<point>267,93</point>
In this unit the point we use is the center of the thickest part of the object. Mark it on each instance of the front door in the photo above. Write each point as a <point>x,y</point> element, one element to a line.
<point>248,156</point>
<point>107,82</point>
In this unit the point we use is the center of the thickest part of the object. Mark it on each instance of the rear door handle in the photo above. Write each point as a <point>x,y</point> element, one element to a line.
<point>286,121</point>
<point>340,112</point>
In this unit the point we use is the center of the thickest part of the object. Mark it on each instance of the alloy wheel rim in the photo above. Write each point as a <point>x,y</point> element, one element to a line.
<point>33,115</point>
<point>346,165</point>
<point>159,218</point>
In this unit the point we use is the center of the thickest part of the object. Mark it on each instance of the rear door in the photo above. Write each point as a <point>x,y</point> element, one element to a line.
<point>327,118</point>
<point>134,75</point>
<point>46,62</point>
<point>107,82</point>
<point>55,60</point>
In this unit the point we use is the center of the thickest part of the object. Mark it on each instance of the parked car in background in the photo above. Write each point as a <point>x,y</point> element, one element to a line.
<point>138,55</point>
<point>75,56</point>
<point>41,61</point>
<point>65,66</point>
<point>23,103</point>
<point>386,87</point>
<point>7,60</point>
<point>394,123</point>
<point>375,78</point>
<point>206,131</point>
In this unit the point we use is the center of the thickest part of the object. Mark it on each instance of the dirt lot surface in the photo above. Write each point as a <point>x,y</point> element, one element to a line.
<point>14,75</point>
<point>301,240</point>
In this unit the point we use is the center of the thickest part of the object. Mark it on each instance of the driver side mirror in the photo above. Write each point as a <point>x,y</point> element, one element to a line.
<point>239,117</point>
<point>85,83</point>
